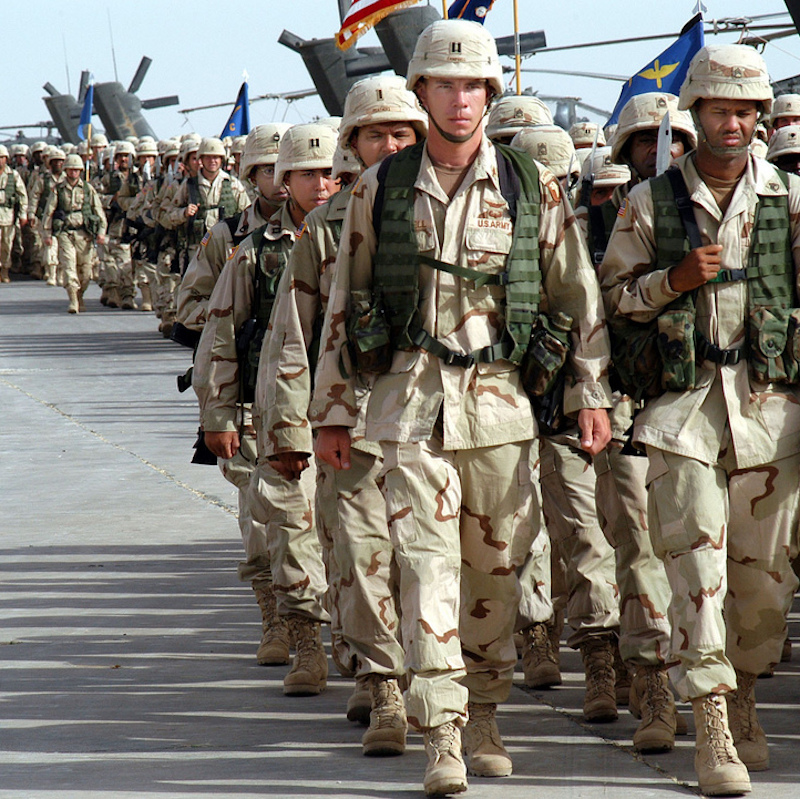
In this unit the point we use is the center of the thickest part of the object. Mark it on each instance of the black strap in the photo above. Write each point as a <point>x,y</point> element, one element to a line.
<point>685,208</point>
<point>233,225</point>
<point>377,205</point>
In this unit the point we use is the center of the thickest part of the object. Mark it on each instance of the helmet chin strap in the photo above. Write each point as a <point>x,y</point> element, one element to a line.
<point>720,152</point>
<point>451,137</point>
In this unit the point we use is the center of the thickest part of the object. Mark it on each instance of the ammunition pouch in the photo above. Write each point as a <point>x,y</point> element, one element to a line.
<point>92,224</point>
<point>774,342</point>
<point>546,354</point>
<point>58,221</point>
<point>249,338</point>
<point>676,346</point>
<point>369,334</point>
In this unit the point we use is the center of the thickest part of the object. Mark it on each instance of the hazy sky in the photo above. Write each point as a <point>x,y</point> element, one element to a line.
<point>201,48</point>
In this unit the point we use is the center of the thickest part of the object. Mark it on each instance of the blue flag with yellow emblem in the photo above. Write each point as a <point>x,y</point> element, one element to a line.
<point>85,124</point>
<point>475,10</point>
<point>665,73</point>
<point>238,123</point>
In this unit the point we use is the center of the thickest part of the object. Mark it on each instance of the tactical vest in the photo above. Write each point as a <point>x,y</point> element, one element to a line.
<point>661,355</point>
<point>11,188</point>
<point>47,185</point>
<point>91,221</point>
<point>270,264</point>
<point>397,259</point>
<point>193,231</point>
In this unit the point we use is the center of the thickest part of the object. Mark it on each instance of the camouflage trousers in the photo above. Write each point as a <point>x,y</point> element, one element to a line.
<point>727,537</point>
<point>7,235</point>
<point>362,579</point>
<point>166,286</point>
<point>461,523</point>
<point>75,258</point>
<point>644,592</point>
<point>286,509</point>
<point>569,486</point>
<point>118,269</point>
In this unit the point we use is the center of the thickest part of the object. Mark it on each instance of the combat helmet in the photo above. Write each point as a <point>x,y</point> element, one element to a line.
<point>380,99</point>
<point>583,135</point>
<point>726,72</point>
<point>99,140</point>
<point>551,145</point>
<point>4,151</point>
<point>147,148</point>
<point>124,148</point>
<point>785,141</point>
<point>261,146</point>
<point>345,164</point>
<point>212,146</point>
<point>645,112</point>
<point>308,146</point>
<point>606,172</point>
<point>785,105</point>
<point>513,112</point>
<point>73,161</point>
<point>456,48</point>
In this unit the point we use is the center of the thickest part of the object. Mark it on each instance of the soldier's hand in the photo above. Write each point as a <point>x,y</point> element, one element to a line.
<point>595,430</point>
<point>333,446</point>
<point>192,209</point>
<point>101,239</point>
<point>697,268</point>
<point>23,223</point>
<point>48,240</point>
<point>289,465</point>
<point>33,221</point>
<point>223,444</point>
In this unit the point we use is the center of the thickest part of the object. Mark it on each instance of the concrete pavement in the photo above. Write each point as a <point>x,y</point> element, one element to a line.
<point>127,643</point>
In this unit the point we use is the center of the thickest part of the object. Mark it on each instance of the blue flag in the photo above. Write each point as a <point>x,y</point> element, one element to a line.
<point>84,126</point>
<point>238,123</point>
<point>475,10</point>
<point>665,73</point>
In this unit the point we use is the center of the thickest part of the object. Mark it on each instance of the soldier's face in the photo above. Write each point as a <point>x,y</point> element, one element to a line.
<point>782,122</point>
<point>728,125</point>
<point>310,188</point>
<point>211,164</point>
<point>373,143</point>
<point>3,162</point>
<point>456,104</point>
<point>643,149</point>
<point>264,178</point>
<point>73,174</point>
<point>56,165</point>
<point>121,161</point>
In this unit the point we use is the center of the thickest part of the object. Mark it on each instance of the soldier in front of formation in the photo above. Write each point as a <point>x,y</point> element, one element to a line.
<point>13,210</point>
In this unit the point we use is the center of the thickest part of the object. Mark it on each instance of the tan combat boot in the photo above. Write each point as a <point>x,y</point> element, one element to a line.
<point>622,677</point>
<point>656,733</point>
<point>446,772</point>
<point>359,704</point>
<point>147,298</point>
<point>720,772</point>
<point>275,643</point>
<point>483,748</point>
<point>387,719</point>
<point>81,303</point>
<point>600,701</point>
<point>748,735</point>
<point>72,293</point>
<point>112,297</point>
<point>309,673</point>
<point>540,661</point>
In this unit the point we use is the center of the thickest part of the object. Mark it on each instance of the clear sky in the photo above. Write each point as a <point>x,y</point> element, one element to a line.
<point>200,50</point>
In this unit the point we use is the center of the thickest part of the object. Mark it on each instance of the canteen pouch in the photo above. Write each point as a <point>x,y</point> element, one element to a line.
<point>546,354</point>
<point>767,337</point>
<point>369,334</point>
<point>676,346</point>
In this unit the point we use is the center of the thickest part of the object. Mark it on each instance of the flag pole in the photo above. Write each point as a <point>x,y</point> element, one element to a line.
<point>517,55</point>
<point>88,147</point>
<point>444,9</point>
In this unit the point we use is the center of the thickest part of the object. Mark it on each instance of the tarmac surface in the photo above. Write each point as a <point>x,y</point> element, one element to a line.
<point>127,642</point>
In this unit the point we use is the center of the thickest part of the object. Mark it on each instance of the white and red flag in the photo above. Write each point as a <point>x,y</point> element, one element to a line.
<point>363,14</point>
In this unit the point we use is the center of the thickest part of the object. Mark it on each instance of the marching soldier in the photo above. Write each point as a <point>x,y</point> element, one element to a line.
<point>13,209</point>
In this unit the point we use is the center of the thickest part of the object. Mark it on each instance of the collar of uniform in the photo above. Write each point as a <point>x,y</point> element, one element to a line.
<point>250,219</point>
<point>280,224</point>
<point>483,167</point>
<point>203,180</point>
<point>337,205</point>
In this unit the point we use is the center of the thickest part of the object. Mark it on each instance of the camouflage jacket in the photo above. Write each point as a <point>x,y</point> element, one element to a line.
<point>764,419</point>
<point>485,404</point>
<point>215,378</point>
<point>74,214</point>
<point>205,267</point>
<point>7,215</point>
<point>175,214</point>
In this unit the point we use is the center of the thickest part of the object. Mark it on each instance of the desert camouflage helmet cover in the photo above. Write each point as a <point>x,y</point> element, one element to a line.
<point>124,147</point>
<point>19,149</point>
<point>785,141</point>
<point>3,151</point>
<point>380,99</point>
<point>188,147</point>
<point>345,163</point>
<point>785,105</point>
<point>583,133</point>
<point>237,145</point>
<point>645,112</point>
<point>261,146</point>
<point>549,144</point>
<point>99,140</point>
<point>309,146</point>
<point>38,147</point>
<point>212,146</point>
<point>73,161</point>
<point>147,148</point>
<point>55,153</point>
<point>456,48</point>
<point>513,112</point>
<point>726,72</point>
<point>606,172</point>
<point>82,148</point>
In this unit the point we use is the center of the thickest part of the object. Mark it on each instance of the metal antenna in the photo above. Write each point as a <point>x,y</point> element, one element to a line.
<point>66,64</point>
<point>113,52</point>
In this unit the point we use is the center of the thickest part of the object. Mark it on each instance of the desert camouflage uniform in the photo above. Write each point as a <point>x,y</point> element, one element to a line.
<point>9,217</point>
<point>352,519</point>
<point>459,538</point>
<point>168,277</point>
<point>288,552</point>
<point>144,273</point>
<point>117,265</point>
<point>723,458</point>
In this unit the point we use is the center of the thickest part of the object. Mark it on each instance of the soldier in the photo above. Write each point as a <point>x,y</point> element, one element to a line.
<point>224,380</point>
<point>447,403</point>
<point>203,200</point>
<point>785,111</point>
<point>380,117</point>
<point>13,209</point>
<point>722,429</point>
<point>784,149</point>
<point>584,135</point>
<point>41,186</point>
<point>258,168</point>
<point>73,213</point>
<point>513,112</point>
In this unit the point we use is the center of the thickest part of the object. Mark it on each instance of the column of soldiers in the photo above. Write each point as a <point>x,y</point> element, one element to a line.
<point>455,409</point>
